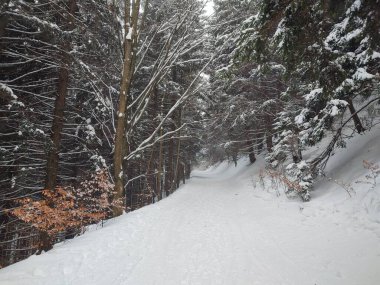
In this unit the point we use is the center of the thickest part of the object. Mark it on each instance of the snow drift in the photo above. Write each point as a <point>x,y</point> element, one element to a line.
<point>223,227</point>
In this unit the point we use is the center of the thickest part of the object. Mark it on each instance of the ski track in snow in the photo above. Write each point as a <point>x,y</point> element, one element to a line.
<point>219,229</point>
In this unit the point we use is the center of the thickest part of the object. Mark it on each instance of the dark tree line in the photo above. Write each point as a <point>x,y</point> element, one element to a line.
<point>288,73</point>
<point>62,73</point>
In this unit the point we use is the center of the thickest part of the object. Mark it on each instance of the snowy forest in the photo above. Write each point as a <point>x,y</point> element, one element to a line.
<point>107,106</point>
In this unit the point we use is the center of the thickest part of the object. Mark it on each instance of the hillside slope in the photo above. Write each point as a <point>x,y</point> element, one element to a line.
<point>223,228</point>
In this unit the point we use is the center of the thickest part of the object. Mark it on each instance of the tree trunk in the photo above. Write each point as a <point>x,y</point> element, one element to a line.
<point>59,106</point>
<point>269,134</point>
<point>149,179</point>
<point>130,22</point>
<point>358,124</point>
<point>169,173</point>
<point>296,151</point>
<point>188,170</point>
<point>269,141</point>
<point>160,181</point>
<point>159,170</point>
<point>170,160</point>
<point>249,145</point>
<point>3,21</point>
<point>175,183</point>
<point>46,243</point>
<point>183,173</point>
<point>56,129</point>
<point>252,157</point>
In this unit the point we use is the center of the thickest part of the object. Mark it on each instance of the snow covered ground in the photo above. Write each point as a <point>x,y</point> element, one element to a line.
<point>223,228</point>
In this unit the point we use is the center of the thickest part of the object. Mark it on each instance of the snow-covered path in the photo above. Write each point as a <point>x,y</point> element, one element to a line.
<point>217,229</point>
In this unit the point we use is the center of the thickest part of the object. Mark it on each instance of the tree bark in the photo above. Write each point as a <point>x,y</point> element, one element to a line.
<point>269,141</point>
<point>358,124</point>
<point>149,180</point>
<point>175,183</point>
<point>160,168</point>
<point>130,25</point>
<point>252,157</point>
<point>249,145</point>
<point>59,107</point>
<point>188,169</point>
<point>269,133</point>
<point>170,160</point>
<point>46,243</point>
<point>183,173</point>
<point>169,173</point>
<point>56,129</point>
<point>3,21</point>
<point>296,149</point>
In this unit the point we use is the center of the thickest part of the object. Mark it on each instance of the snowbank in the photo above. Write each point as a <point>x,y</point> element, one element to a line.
<point>223,228</point>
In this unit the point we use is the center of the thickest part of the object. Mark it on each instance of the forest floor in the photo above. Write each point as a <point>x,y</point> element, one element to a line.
<point>224,227</point>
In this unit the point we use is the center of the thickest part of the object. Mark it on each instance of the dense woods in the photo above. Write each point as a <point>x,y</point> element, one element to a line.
<point>106,105</point>
<point>288,73</point>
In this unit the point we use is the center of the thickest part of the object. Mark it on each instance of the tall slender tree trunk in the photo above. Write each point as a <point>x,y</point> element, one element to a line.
<point>175,183</point>
<point>188,169</point>
<point>56,129</point>
<point>183,173</point>
<point>149,181</point>
<point>296,148</point>
<point>249,145</point>
<point>170,160</point>
<point>358,124</point>
<point>269,132</point>
<point>130,25</point>
<point>3,20</point>
<point>170,164</point>
<point>160,168</point>
<point>251,152</point>
<point>59,107</point>
<point>269,139</point>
